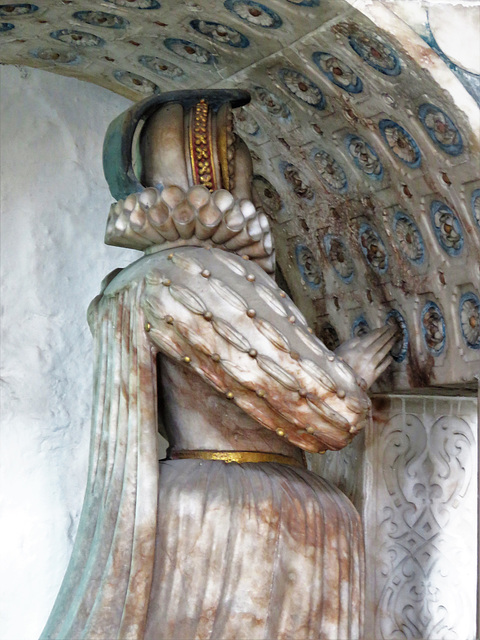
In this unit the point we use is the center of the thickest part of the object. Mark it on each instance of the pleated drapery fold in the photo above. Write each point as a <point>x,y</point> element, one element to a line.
<point>256,551</point>
<point>106,588</point>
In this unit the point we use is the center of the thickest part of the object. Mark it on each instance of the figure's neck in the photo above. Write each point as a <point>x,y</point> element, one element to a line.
<point>195,416</point>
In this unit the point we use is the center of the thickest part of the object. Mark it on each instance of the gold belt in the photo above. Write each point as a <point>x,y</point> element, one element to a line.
<point>235,456</point>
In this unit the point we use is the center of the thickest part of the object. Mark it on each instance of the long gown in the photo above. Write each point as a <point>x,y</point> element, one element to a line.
<point>204,549</point>
<point>263,551</point>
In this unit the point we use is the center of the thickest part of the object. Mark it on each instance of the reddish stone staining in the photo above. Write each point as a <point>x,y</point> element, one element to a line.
<point>406,191</point>
<point>351,115</point>
<point>369,296</point>
<point>135,44</point>
<point>254,12</point>
<point>368,202</point>
<point>160,24</point>
<point>109,59</point>
<point>336,302</point>
<point>190,50</point>
<point>441,276</point>
<point>42,21</point>
<point>419,375</point>
<point>284,142</point>
<point>446,179</point>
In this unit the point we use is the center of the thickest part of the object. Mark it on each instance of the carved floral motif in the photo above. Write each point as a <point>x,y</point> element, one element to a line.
<point>220,33</point>
<point>433,328</point>
<point>302,88</point>
<point>268,195</point>
<point>297,181</point>
<point>339,257</point>
<point>364,157</point>
<point>131,80</point>
<point>255,13</point>
<point>373,248</point>
<point>400,142</point>
<point>470,319</point>
<point>56,56</point>
<point>330,172</point>
<point>337,72</point>
<point>161,67</point>
<point>373,49</point>
<point>447,228</point>
<point>245,122</point>
<point>189,51</point>
<point>408,237</point>
<point>271,103</point>
<point>101,19</point>
<point>308,266</point>
<point>441,129</point>
<point>17,10</point>
<point>77,38</point>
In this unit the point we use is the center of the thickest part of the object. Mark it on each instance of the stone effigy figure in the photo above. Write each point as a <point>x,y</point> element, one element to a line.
<point>230,537</point>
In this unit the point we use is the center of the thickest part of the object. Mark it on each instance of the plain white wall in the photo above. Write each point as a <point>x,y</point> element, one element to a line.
<point>54,205</point>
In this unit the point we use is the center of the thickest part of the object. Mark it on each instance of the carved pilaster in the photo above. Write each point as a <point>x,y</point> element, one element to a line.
<point>421,518</point>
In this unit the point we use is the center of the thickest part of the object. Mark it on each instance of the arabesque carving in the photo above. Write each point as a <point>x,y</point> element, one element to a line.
<point>425,531</point>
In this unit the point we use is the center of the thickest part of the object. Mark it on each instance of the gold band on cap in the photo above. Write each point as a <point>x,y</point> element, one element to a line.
<point>239,457</point>
<point>201,147</point>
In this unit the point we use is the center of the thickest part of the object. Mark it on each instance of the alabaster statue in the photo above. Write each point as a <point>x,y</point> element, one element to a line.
<point>230,537</point>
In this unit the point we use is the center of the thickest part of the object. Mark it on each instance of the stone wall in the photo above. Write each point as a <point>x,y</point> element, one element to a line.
<point>54,204</point>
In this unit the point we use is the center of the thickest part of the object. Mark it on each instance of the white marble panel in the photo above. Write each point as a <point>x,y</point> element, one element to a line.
<point>421,518</point>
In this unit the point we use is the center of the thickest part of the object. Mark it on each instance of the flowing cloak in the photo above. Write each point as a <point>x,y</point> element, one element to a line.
<point>122,580</point>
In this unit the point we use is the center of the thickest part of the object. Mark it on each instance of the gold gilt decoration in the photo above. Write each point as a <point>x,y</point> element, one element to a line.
<point>236,456</point>
<point>226,144</point>
<point>203,170</point>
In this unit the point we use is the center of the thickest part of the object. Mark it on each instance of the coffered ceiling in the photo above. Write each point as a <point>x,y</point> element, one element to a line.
<point>364,139</point>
